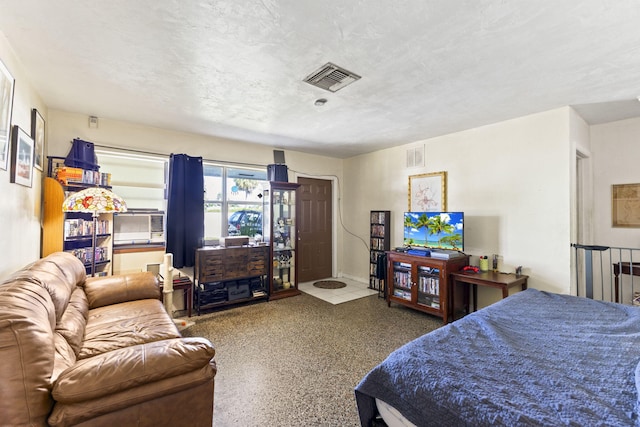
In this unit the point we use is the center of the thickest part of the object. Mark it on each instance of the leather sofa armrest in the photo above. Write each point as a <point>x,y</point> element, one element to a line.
<point>126,368</point>
<point>109,290</point>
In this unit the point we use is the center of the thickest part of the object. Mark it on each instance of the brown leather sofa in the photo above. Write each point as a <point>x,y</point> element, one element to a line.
<point>96,352</point>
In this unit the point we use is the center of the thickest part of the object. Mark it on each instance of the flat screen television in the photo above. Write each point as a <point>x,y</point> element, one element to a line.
<point>434,230</point>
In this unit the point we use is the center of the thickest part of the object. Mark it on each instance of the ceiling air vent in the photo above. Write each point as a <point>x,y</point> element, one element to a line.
<point>331,77</point>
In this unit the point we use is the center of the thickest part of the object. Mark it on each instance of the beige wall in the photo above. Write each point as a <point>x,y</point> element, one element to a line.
<point>66,126</point>
<point>615,151</point>
<point>20,212</point>
<point>582,180</point>
<point>511,179</point>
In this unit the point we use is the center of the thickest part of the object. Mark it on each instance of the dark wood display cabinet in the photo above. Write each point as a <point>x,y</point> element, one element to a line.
<point>234,275</point>
<point>281,236</point>
<point>422,283</point>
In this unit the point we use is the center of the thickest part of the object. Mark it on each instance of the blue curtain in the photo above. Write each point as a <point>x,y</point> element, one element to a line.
<point>185,209</point>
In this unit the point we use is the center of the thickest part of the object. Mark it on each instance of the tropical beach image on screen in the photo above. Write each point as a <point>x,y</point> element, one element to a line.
<point>443,230</point>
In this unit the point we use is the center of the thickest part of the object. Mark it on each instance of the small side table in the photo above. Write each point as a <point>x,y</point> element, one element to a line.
<point>184,284</point>
<point>492,279</point>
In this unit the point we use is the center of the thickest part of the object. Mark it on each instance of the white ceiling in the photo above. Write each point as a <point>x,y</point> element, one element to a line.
<point>234,68</point>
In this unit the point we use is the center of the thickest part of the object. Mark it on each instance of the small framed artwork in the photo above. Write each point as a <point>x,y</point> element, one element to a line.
<point>37,133</point>
<point>415,157</point>
<point>428,192</point>
<point>21,157</point>
<point>7,85</point>
<point>625,205</point>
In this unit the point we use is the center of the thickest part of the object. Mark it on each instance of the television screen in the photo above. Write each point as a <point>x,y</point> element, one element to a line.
<point>436,230</point>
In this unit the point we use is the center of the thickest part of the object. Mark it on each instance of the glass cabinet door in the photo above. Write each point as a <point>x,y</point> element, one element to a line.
<point>429,286</point>
<point>284,232</point>
<point>402,280</point>
<point>282,239</point>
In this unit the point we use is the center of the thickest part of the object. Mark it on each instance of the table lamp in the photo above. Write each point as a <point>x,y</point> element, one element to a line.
<point>94,200</point>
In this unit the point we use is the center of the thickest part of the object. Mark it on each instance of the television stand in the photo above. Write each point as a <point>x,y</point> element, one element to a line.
<point>422,283</point>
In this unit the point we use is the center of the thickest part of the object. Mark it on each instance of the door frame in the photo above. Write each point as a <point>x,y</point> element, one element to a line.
<point>334,215</point>
<point>581,229</point>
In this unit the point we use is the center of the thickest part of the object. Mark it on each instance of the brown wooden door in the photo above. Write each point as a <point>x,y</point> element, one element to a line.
<point>314,229</point>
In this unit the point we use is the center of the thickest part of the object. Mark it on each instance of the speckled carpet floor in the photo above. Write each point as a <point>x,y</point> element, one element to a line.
<point>295,361</point>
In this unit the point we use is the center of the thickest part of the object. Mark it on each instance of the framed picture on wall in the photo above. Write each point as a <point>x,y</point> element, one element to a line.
<point>428,192</point>
<point>37,133</point>
<point>7,84</point>
<point>21,157</point>
<point>625,205</point>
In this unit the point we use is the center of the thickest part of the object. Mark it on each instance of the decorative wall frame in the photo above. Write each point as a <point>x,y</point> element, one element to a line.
<point>415,156</point>
<point>38,133</point>
<point>7,86</point>
<point>625,205</point>
<point>21,157</point>
<point>428,192</point>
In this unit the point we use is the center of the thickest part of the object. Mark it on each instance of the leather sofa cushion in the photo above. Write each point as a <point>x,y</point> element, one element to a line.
<point>150,396</point>
<point>65,357</point>
<point>122,325</point>
<point>110,290</point>
<point>131,367</point>
<point>59,273</point>
<point>74,320</point>
<point>27,353</point>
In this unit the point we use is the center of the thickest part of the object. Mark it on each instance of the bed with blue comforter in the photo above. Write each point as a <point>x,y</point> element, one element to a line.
<point>533,359</point>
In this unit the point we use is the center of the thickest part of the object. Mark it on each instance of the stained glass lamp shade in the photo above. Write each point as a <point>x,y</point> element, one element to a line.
<point>94,200</point>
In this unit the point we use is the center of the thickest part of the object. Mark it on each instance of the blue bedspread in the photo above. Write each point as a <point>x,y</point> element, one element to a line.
<point>535,358</point>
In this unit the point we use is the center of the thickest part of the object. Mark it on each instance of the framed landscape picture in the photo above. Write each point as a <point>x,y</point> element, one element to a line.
<point>428,192</point>
<point>21,157</point>
<point>7,84</point>
<point>37,133</point>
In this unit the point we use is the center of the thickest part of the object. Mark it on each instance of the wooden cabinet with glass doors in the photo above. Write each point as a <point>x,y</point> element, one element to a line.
<point>281,233</point>
<point>423,283</point>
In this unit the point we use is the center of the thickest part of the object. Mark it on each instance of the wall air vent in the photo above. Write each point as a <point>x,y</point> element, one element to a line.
<point>331,77</point>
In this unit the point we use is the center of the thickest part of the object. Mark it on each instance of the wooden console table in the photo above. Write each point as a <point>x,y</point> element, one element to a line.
<point>492,279</point>
<point>623,268</point>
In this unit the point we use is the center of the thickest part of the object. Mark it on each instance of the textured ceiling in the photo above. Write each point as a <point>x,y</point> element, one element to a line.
<point>235,68</point>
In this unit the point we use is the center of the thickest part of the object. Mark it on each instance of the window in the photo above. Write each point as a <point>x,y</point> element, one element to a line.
<point>138,179</point>
<point>232,194</point>
<point>233,201</point>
